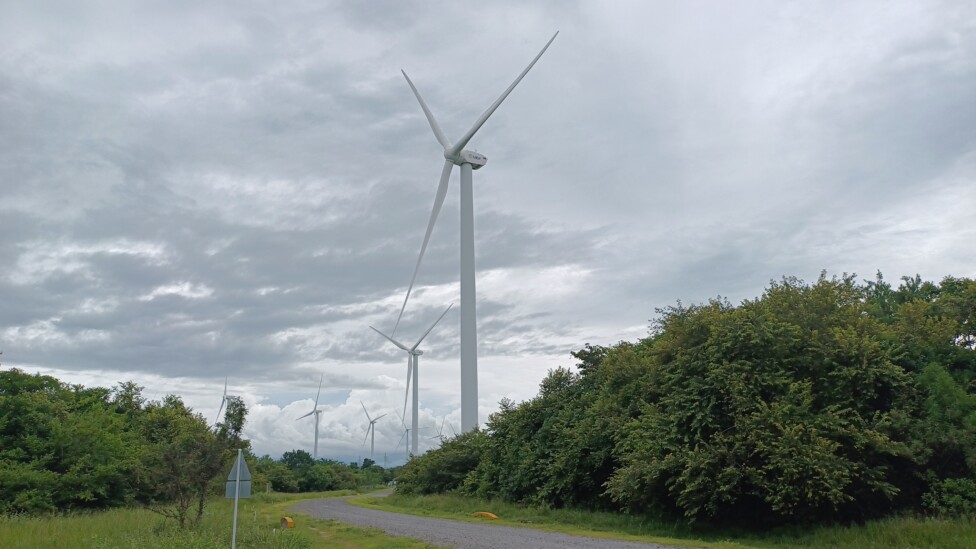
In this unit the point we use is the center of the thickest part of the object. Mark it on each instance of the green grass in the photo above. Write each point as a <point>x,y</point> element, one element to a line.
<point>901,532</point>
<point>257,527</point>
<point>897,532</point>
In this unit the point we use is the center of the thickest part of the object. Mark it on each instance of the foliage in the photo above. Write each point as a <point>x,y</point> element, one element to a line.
<point>814,402</point>
<point>952,497</point>
<point>444,470</point>
<point>298,471</point>
<point>784,406</point>
<point>66,447</point>
<point>63,447</point>
<point>185,455</point>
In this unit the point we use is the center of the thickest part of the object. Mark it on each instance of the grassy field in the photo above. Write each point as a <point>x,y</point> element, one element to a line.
<point>258,527</point>
<point>893,533</point>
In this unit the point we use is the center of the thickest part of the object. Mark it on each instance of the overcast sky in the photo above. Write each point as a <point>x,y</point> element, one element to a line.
<point>193,190</point>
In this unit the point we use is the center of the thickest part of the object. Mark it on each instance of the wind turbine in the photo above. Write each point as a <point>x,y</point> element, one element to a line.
<point>223,400</point>
<point>405,435</point>
<point>440,432</point>
<point>468,160</point>
<point>413,361</point>
<point>370,430</point>
<point>316,411</point>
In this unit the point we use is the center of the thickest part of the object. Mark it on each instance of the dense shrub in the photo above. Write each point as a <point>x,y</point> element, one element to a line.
<point>298,471</point>
<point>444,470</point>
<point>826,401</point>
<point>65,447</point>
<point>953,497</point>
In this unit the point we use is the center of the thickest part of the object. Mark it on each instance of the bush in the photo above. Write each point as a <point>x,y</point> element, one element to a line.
<point>954,497</point>
<point>444,469</point>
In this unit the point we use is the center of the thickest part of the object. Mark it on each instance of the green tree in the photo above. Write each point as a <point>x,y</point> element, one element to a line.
<point>186,455</point>
<point>444,469</point>
<point>784,406</point>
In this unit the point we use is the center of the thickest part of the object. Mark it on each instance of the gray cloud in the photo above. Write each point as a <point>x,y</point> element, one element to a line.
<point>189,191</point>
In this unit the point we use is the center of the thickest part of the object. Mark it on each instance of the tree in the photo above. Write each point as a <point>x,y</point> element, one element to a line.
<point>187,455</point>
<point>444,469</point>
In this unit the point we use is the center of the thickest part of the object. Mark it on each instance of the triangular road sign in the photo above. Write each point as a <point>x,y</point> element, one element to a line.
<point>245,478</point>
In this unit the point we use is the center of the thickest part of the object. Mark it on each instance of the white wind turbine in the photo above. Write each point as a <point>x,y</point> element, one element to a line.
<point>440,431</point>
<point>405,435</point>
<point>468,160</point>
<point>317,412</point>
<point>223,400</point>
<point>413,361</point>
<point>370,430</point>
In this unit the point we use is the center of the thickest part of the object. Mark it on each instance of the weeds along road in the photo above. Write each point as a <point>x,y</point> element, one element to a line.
<point>461,535</point>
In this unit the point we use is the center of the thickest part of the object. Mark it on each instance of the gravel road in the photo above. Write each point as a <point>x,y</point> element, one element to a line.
<point>461,535</point>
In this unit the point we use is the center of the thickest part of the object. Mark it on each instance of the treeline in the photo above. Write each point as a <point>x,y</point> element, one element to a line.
<point>67,447</point>
<point>835,400</point>
<point>297,471</point>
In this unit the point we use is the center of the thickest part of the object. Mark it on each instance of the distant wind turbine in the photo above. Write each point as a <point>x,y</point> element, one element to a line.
<point>370,430</point>
<point>468,160</point>
<point>223,400</point>
<point>405,435</point>
<point>413,361</point>
<point>316,411</point>
<point>440,432</point>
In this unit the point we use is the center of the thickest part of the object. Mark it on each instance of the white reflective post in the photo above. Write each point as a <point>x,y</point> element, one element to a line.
<point>237,494</point>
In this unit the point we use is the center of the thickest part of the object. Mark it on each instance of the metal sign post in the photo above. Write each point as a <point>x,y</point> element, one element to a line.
<point>238,484</point>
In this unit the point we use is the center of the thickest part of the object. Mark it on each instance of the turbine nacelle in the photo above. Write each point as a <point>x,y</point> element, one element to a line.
<point>476,159</point>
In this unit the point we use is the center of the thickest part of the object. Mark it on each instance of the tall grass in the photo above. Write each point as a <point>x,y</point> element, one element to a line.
<point>899,532</point>
<point>138,528</point>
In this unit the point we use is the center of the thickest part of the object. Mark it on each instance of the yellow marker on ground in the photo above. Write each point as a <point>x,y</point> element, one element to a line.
<point>485,514</point>
<point>286,522</point>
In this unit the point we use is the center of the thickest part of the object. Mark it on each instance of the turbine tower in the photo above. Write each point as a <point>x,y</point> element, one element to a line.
<point>316,411</point>
<point>468,161</point>
<point>413,360</point>
<point>370,430</point>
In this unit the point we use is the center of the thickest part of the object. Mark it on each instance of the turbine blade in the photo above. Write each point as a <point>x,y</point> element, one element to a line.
<point>438,133</point>
<point>393,341</point>
<point>406,393</point>
<point>306,415</point>
<point>367,434</point>
<point>438,202</point>
<point>364,409</point>
<point>400,441</point>
<point>379,416</point>
<point>319,392</point>
<point>453,151</point>
<point>414,348</point>
<point>219,410</point>
<point>223,400</point>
